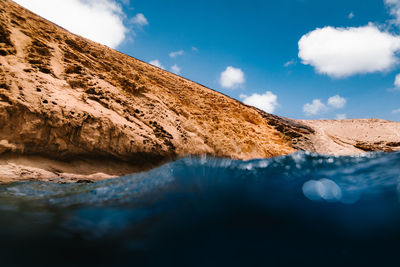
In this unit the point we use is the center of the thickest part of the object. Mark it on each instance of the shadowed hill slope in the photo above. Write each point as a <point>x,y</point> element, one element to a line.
<point>72,109</point>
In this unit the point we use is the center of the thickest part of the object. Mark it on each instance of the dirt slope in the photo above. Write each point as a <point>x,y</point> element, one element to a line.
<point>63,97</point>
<point>347,137</point>
<point>74,110</point>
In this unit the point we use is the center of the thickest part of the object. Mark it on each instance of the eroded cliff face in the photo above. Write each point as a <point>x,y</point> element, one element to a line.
<point>66,98</point>
<point>72,110</point>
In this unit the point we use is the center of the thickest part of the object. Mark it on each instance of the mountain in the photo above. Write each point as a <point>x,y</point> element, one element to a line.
<point>73,110</point>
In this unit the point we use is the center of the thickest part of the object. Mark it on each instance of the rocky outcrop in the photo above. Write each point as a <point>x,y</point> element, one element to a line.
<point>74,110</point>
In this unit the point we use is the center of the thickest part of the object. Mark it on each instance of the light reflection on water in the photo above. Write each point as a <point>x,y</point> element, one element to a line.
<point>322,189</point>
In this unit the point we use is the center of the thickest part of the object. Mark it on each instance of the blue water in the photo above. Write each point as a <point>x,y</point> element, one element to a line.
<point>298,210</point>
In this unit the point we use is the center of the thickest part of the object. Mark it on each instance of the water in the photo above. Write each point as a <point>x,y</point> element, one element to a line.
<point>302,209</point>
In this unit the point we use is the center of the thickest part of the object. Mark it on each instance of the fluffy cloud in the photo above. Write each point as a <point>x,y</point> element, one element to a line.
<point>396,111</point>
<point>157,63</point>
<point>139,20</point>
<point>231,77</point>
<point>176,53</point>
<point>397,81</point>
<point>317,107</point>
<point>314,108</point>
<point>394,6</point>
<point>176,69</point>
<point>98,20</point>
<point>341,52</point>
<point>337,101</point>
<point>267,102</point>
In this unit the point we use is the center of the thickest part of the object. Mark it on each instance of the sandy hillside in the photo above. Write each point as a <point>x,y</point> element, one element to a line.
<point>346,137</point>
<point>73,110</point>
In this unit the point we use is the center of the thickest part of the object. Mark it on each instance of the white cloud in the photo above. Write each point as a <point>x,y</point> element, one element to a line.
<point>337,101</point>
<point>341,117</point>
<point>195,49</point>
<point>267,102</point>
<point>176,53</point>
<point>397,81</point>
<point>139,20</point>
<point>157,63</point>
<point>396,111</point>
<point>394,6</point>
<point>351,15</point>
<point>290,63</point>
<point>342,52</point>
<point>314,108</point>
<point>231,77</point>
<point>98,20</point>
<point>317,107</point>
<point>176,69</point>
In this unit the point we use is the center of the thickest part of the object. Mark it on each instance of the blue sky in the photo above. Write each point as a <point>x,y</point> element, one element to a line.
<point>250,50</point>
